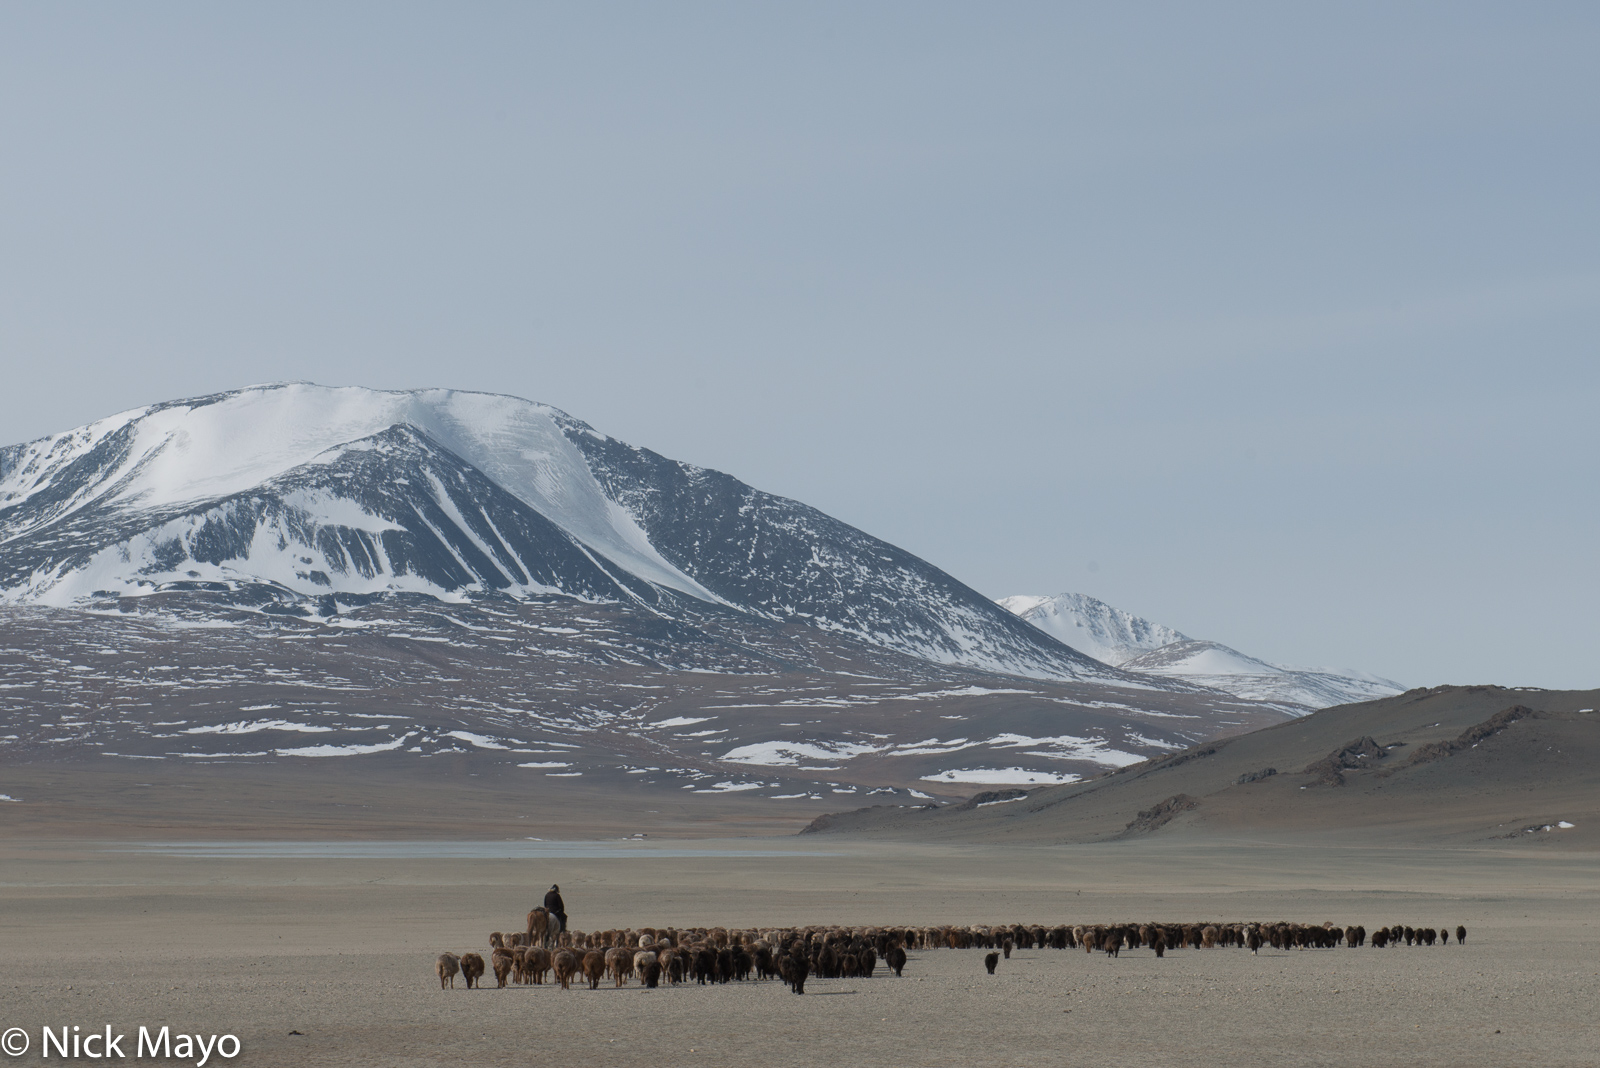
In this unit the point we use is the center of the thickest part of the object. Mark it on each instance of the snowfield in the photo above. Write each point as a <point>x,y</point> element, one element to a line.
<point>1003,776</point>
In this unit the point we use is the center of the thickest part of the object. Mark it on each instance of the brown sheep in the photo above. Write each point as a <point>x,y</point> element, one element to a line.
<point>503,961</point>
<point>652,974</point>
<point>896,958</point>
<point>565,964</point>
<point>536,964</point>
<point>447,966</point>
<point>1005,947</point>
<point>990,960</point>
<point>594,968</point>
<point>497,941</point>
<point>640,959</point>
<point>471,968</point>
<point>620,963</point>
<point>1461,935</point>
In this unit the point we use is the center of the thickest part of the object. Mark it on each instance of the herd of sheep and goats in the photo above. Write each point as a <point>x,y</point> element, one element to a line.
<point>720,955</point>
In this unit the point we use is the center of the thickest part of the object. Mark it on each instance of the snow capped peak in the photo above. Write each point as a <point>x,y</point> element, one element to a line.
<point>297,494</point>
<point>1137,645</point>
<point>209,448</point>
<point>1091,626</point>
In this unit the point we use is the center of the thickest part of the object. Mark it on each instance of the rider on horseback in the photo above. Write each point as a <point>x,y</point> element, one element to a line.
<point>554,905</point>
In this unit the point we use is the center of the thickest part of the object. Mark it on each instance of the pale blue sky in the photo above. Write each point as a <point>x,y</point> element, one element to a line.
<point>1274,323</point>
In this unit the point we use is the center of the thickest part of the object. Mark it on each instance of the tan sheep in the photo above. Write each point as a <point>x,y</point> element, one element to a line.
<point>447,966</point>
<point>619,962</point>
<point>503,961</point>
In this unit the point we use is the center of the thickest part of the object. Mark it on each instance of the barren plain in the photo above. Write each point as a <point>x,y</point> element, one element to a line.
<point>322,954</point>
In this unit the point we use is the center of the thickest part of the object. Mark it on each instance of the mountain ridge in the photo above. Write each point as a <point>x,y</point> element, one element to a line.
<point>1132,643</point>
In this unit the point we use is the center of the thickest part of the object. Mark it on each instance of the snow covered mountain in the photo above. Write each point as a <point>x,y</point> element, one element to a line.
<point>1108,634</point>
<point>303,499</point>
<point>1124,640</point>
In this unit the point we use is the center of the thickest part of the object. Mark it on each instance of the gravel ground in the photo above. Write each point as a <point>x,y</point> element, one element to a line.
<point>342,950</point>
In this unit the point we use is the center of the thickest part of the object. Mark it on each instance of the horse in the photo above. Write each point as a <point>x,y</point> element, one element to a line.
<point>541,928</point>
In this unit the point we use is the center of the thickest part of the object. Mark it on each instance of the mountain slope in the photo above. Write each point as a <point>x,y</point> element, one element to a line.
<point>310,496</point>
<point>547,692</point>
<point>1449,765</point>
<point>1215,665</point>
<point>787,561</point>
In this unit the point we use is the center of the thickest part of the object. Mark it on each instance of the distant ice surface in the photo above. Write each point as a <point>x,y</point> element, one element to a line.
<point>622,849</point>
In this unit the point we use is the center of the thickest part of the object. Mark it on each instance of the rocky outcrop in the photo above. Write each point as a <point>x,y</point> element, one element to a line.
<point>1361,753</point>
<point>1160,815</point>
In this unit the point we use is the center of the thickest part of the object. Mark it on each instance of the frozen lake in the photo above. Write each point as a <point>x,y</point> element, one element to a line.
<point>512,849</point>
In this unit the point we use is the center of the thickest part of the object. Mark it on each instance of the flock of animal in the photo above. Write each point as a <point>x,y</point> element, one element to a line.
<point>793,954</point>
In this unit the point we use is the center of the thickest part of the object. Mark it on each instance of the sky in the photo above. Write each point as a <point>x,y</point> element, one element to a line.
<point>1275,323</point>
